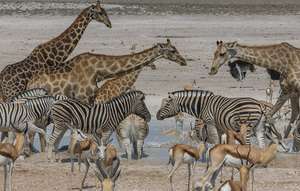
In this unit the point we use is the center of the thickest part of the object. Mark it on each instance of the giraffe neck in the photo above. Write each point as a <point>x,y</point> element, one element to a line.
<point>58,49</point>
<point>127,64</point>
<point>265,57</point>
<point>116,87</point>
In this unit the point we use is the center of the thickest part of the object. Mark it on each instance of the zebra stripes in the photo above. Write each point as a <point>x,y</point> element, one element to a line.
<point>92,119</point>
<point>214,110</point>
<point>29,93</point>
<point>18,114</point>
<point>131,133</point>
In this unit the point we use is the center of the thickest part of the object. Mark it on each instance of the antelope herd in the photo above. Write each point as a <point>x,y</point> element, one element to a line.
<point>46,90</point>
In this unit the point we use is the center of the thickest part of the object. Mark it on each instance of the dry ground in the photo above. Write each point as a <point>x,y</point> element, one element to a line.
<point>194,36</point>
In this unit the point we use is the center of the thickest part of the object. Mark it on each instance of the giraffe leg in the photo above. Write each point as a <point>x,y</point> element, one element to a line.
<point>294,115</point>
<point>283,97</point>
<point>260,132</point>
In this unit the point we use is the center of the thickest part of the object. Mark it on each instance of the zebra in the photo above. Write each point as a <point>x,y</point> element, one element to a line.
<point>92,119</point>
<point>133,130</point>
<point>221,112</point>
<point>20,115</point>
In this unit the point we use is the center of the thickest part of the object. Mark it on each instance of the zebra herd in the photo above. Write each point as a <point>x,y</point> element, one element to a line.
<point>216,111</point>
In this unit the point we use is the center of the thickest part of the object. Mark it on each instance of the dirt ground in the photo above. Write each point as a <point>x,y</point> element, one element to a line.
<point>34,174</point>
<point>194,35</point>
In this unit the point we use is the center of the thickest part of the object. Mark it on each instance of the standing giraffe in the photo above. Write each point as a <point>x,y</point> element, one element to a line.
<point>282,58</point>
<point>87,69</point>
<point>49,56</point>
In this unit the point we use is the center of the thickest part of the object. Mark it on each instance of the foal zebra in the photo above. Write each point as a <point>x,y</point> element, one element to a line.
<point>221,112</point>
<point>92,119</point>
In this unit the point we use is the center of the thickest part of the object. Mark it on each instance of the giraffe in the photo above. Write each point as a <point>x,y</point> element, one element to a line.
<point>49,56</point>
<point>87,69</point>
<point>282,58</point>
<point>115,87</point>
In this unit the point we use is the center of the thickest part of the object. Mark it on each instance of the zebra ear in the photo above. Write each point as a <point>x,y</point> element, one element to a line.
<point>171,96</point>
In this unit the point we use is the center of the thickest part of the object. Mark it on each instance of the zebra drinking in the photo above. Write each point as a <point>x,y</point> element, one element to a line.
<point>214,110</point>
<point>92,119</point>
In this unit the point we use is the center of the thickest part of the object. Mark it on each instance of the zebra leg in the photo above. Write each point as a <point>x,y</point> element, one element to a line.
<point>260,132</point>
<point>212,134</point>
<point>127,145</point>
<point>54,140</point>
<point>42,142</point>
<point>140,144</point>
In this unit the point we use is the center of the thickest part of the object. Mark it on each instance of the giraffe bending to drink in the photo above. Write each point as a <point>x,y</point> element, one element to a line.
<point>283,58</point>
<point>88,69</point>
<point>49,57</point>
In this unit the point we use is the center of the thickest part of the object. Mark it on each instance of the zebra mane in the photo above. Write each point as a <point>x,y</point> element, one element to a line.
<point>131,92</point>
<point>32,99</point>
<point>191,92</point>
<point>30,93</point>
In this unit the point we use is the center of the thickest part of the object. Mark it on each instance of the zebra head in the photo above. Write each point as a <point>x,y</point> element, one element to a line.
<point>168,108</point>
<point>139,107</point>
<point>169,52</point>
<point>41,106</point>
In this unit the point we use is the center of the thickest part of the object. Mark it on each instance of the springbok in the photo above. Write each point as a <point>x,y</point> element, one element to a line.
<point>241,185</point>
<point>232,155</point>
<point>106,168</point>
<point>10,152</point>
<point>184,154</point>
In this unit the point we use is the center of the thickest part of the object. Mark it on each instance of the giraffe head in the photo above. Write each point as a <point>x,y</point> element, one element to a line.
<point>169,52</point>
<point>224,54</point>
<point>99,14</point>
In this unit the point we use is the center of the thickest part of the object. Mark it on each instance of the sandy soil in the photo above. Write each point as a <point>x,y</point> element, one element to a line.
<point>194,35</point>
<point>35,174</point>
